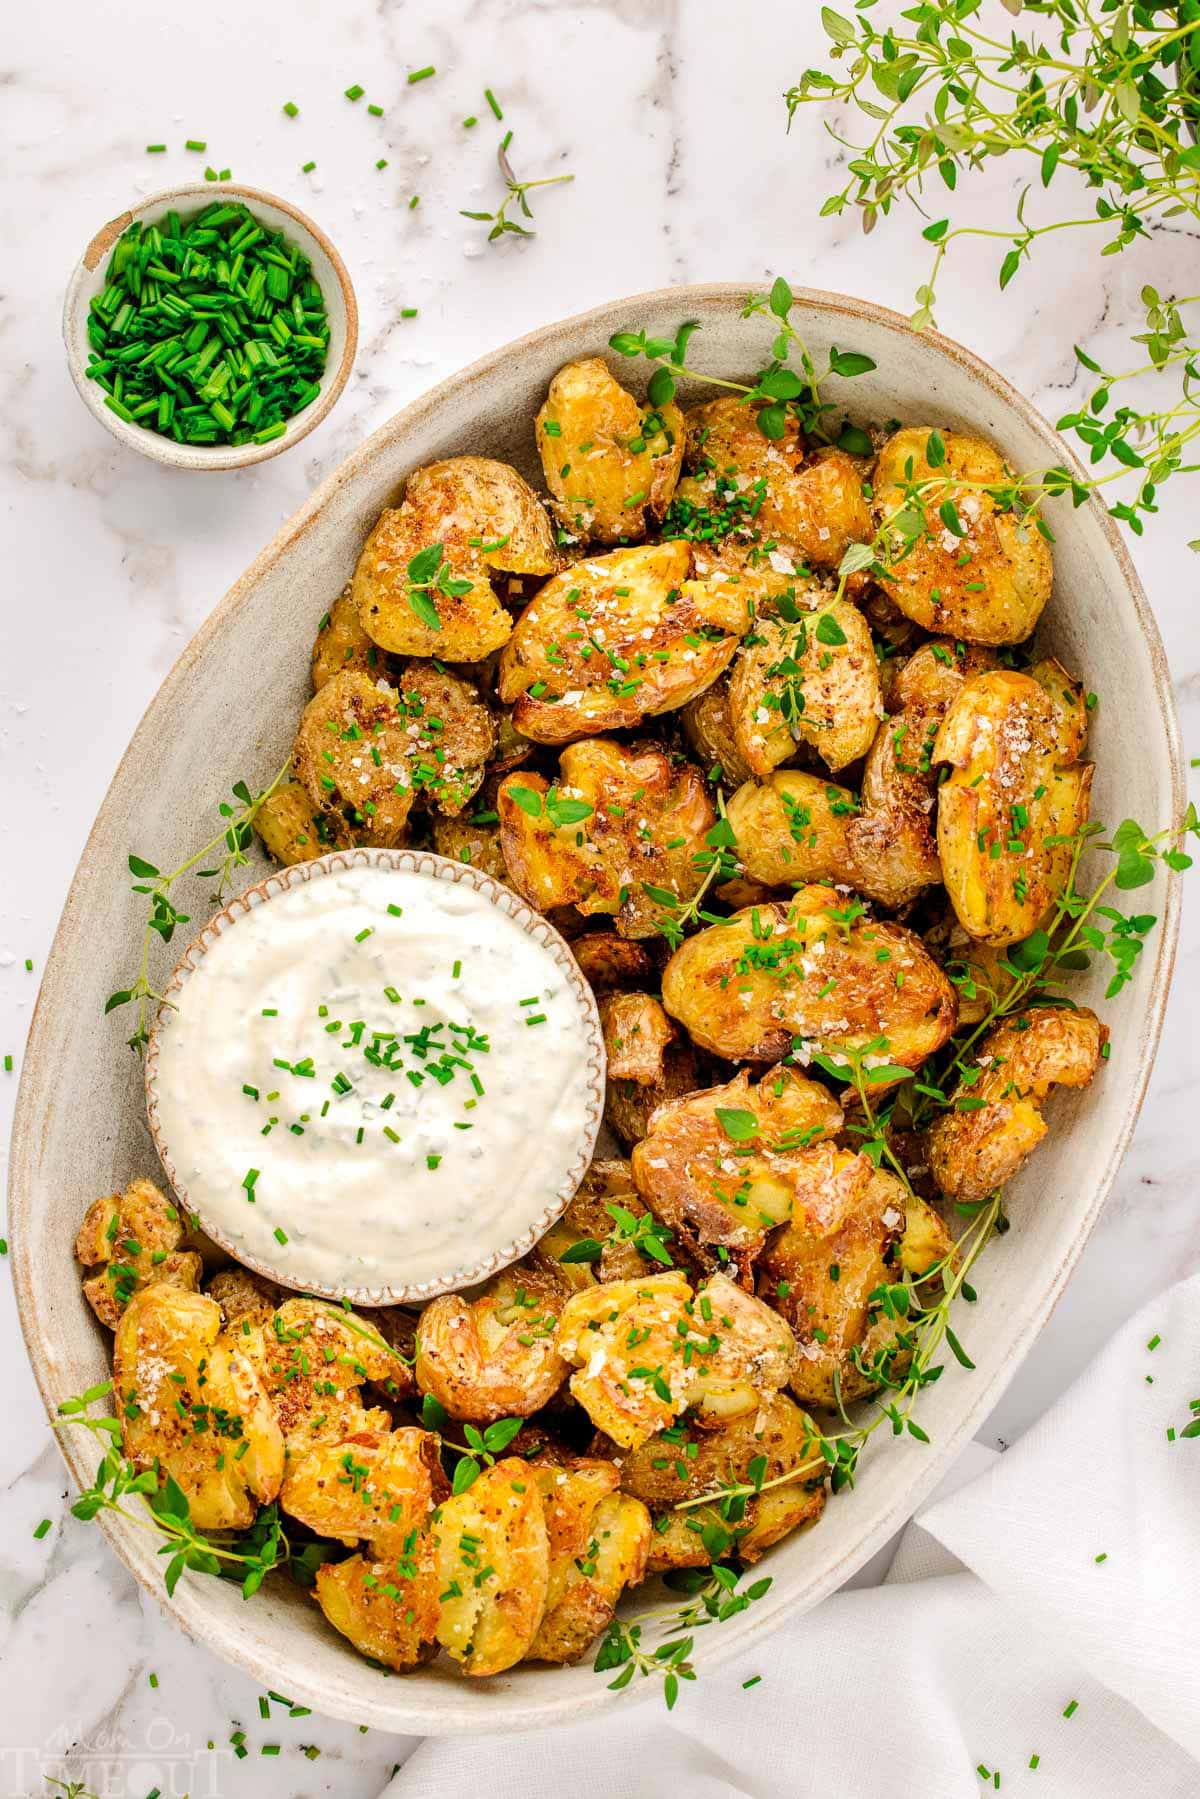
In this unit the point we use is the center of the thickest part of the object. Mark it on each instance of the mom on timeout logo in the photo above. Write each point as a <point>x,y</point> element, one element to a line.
<point>112,1762</point>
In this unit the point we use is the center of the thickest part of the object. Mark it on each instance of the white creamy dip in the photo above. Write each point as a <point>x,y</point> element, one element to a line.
<point>372,1078</point>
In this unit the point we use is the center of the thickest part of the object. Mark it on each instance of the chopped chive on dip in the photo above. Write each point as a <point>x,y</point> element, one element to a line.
<point>210,328</point>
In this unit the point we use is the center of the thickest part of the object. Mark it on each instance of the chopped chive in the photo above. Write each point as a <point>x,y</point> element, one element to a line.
<point>1070,1710</point>
<point>280,1234</point>
<point>42,1529</point>
<point>155,149</point>
<point>382,163</point>
<point>432,1161</point>
<point>414,202</point>
<point>421,74</point>
<point>252,1091</point>
<point>362,935</point>
<point>290,108</point>
<point>390,993</point>
<point>456,971</point>
<point>408,312</point>
<point>1154,1342</point>
<point>355,92</point>
<point>395,911</point>
<point>469,122</point>
<point>492,101</point>
<point>389,1132</point>
<point>306,168</point>
<point>197,144</point>
<point>536,1018</point>
<point>8,1064</point>
<point>376,112</point>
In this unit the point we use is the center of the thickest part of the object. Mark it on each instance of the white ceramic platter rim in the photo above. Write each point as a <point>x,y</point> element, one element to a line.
<point>441,1712</point>
<point>439,868</point>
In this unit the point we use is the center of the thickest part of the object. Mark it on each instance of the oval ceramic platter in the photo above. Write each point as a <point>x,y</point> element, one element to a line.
<point>227,712</point>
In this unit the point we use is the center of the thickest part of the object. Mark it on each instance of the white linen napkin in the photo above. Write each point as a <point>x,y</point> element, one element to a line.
<point>956,1677</point>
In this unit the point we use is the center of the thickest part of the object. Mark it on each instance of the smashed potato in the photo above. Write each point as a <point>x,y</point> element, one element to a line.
<point>598,1541</point>
<point>608,962</point>
<point>588,1221</point>
<point>1015,797</point>
<point>608,462</point>
<point>128,1241</point>
<point>974,571</point>
<point>291,828</point>
<point>619,827</point>
<point>342,643</point>
<point>316,1358</point>
<point>492,1555</point>
<point>637,1034</point>
<point>806,679</point>
<point>192,1403</point>
<point>748,988</point>
<point>718,1166</point>
<point>386,1605</point>
<point>246,1300</point>
<point>370,1486</point>
<point>423,584</point>
<point>974,1151</point>
<point>616,639</point>
<point>464,839</point>
<point>791,828</point>
<point>708,726</point>
<point>494,1356</point>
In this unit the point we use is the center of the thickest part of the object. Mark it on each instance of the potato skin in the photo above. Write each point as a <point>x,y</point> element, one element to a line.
<point>1012,741</point>
<point>708,726</point>
<point>610,1330</point>
<point>714,1189</point>
<point>971,1153</point>
<point>117,1241</point>
<point>629,1106</point>
<point>646,824</point>
<point>243,1298</point>
<point>495,1356</point>
<point>188,1398</point>
<point>492,1556</point>
<point>599,1540</point>
<point>637,1034</point>
<point>342,643</point>
<point>706,982</point>
<point>996,596</point>
<point>602,488</point>
<point>292,830</point>
<point>461,840</point>
<point>609,963</point>
<point>785,661</point>
<point>449,503</point>
<point>616,639</point>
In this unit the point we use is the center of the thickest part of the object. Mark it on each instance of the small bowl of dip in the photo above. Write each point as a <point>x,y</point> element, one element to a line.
<point>210,326</point>
<point>377,1076</point>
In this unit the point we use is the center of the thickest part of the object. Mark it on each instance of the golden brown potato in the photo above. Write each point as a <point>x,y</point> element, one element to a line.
<point>292,830</point>
<point>461,839</point>
<point>127,1241</point>
<point>616,639</point>
<point>317,1356</point>
<point>791,828</point>
<point>630,1105</point>
<point>806,679</point>
<point>386,1605</point>
<point>973,1151</point>
<point>373,1486</point>
<point>342,643</point>
<point>811,506</point>
<point>365,751</point>
<point>986,582</point>
<point>719,1166</point>
<point>1015,797</point>
<point>709,729</point>
<point>494,1356</point>
<point>608,462</point>
<point>637,1034</point>
<point>423,585</point>
<point>493,1567</point>
<point>192,1403</point>
<point>626,1339</point>
<point>926,1244</point>
<point>608,962</point>
<point>741,1351</point>
<point>598,1540</point>
<point>682,1464</point>
<point>247,1301</point>
<point>748,988</point>
<point>618,821</point>
<point>841,1332</point>
<point>588,1220</point>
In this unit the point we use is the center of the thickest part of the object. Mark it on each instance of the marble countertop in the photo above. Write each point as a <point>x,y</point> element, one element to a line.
<point>113,563</point>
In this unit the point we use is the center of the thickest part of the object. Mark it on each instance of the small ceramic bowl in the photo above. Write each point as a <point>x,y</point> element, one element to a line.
<point>472,1268</point>
<point>328,269</point>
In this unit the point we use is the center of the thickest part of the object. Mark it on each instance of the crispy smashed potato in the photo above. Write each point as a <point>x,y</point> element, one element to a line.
<point>708,726</point>
<point>791,829</point>
<point>617,639</point>
<point>972,1152</point>
<point>293,830</point>
<point>423,585</point>
<point>494,1356</point>
<point>806,679</point>
<point>629,1105</point>
<point>245,1299</point>
<point>316,1358</point>
<point>128,1241</point>
<point>986,581</point>
<point>810,508</point>
<point>1015,797</point>
<point>747,988</point>
<point>588,1220</point>
<point>598,1540</point>
<point>608,962</point>
<point>637,1035</point>
<point>682,1465</point>
<point>371,1486</point>
<point>385,1604</point>
<point>461,839</point>
<point>718,1166</point>
<point>617,822</point>
<point>342,643</point>
<point>192,1403</point>
<point>365,751</point>
<point>841,1334</point>
<point>608,462</point>
<point>492,1555</point>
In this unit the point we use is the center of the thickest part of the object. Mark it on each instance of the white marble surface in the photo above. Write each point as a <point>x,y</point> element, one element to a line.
<point>670,118</point>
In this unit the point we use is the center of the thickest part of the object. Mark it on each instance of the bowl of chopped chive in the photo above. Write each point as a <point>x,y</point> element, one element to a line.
<point>210,327</point>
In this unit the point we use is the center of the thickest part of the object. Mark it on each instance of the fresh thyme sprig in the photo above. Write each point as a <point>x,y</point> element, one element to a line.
<point>1109,91</point>
<point>164,915</point>
<point>716,1596</point>
<point>647,1234</point>
<point>517,192</point>
<point>717,862</point>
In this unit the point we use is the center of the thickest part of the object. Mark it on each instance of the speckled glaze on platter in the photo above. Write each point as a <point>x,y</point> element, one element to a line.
<point>240,685</point>
<point>421,862</point>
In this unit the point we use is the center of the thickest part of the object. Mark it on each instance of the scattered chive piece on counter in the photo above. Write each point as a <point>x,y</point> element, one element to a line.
<point>306,168</point>
<point>1070,1710</point>
<point>355,92</point>
<point>155,149</point>
<point>408,312</point>
<point>376,112</point>
<point>8,1064</point>
<point>421,74</point>
<point>42,1529</point>
<point>492,101</point>
<point>291,109</point>
<point>196,143</point>
<point>209,329</point>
